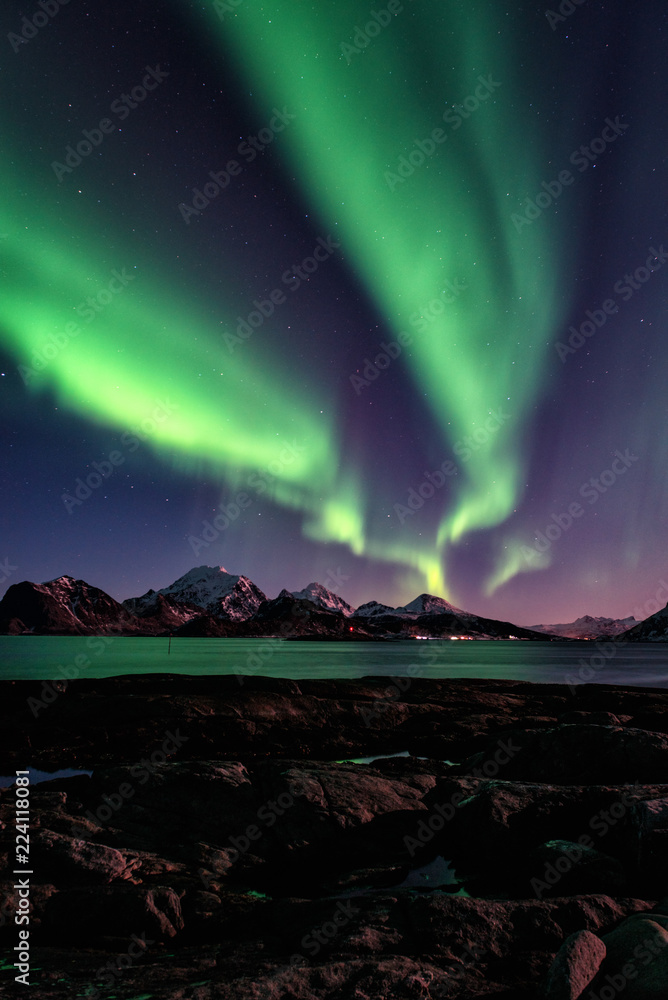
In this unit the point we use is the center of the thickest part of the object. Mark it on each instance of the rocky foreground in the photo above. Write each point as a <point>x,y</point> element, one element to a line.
<point>224,848</point>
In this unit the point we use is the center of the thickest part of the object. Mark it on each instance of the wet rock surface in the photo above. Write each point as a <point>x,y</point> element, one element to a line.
<point>226,846</point>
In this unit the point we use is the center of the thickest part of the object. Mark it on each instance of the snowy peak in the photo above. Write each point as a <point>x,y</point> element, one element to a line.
<point>317,594</point>
<point>207,600</point>
<point>65,589</point>
<point>204,582</point>
<point>78,598</point>
<point>588,627</point>
<point>63,606</point>
<point>603,622</point>
<point>211,588</point>
<point>242,600</point>
<point>372,609</point>
<point>427,604</point>
<point>164,610</point>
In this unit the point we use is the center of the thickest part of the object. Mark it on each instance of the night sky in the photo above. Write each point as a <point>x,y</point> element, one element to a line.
<point>413,337</point>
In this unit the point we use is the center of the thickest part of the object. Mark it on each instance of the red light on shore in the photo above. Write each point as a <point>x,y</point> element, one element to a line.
<point>350,629</point>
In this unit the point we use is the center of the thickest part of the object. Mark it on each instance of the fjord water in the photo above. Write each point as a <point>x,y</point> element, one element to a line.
<point>58,657</point>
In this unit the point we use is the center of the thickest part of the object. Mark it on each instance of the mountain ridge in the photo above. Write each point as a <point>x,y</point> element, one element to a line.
<point>209,601</point>
<point>588,627</point>
<point>652,629</point>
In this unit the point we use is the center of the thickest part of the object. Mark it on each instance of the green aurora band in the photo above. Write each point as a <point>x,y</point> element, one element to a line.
<point>143,348</point>
<point>449,220</point>
<point>357,113</point>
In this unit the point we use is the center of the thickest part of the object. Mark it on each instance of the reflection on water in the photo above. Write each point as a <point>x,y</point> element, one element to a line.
<point>50,657</point>
<point>39,777</point>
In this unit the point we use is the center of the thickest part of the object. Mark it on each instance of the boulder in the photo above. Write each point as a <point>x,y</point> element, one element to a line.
<point>575,966</point>
<point>650,820</point>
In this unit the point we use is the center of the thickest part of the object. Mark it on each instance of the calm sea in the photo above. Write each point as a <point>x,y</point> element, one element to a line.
<point>50,657</point>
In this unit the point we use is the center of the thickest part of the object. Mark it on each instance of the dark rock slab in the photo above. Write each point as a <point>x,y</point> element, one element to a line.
<point>226,847</point>
<point>589,754</point>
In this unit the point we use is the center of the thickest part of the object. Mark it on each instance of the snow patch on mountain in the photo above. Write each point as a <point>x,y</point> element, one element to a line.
<point>211,588</point>
<point>587,627</point>
<point>317,594</point>
<point>424,604</point>
<point>65,606</point>
<point>372,609</point>
<point>427,604</point>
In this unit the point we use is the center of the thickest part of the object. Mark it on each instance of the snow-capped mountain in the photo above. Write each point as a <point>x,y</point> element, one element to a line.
<point>210,588</point>
<point>317,594</point>
<point>167,611</point>
<point>209,601</point>
<point>652,629</point>
<point>292,616</point>
<point>372,609</point>
<point>425,604</point>
<point>63,606</point>
<point>587,627</point>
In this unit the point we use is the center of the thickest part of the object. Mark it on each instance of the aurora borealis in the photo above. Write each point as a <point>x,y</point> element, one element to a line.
<point>373,296</point>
